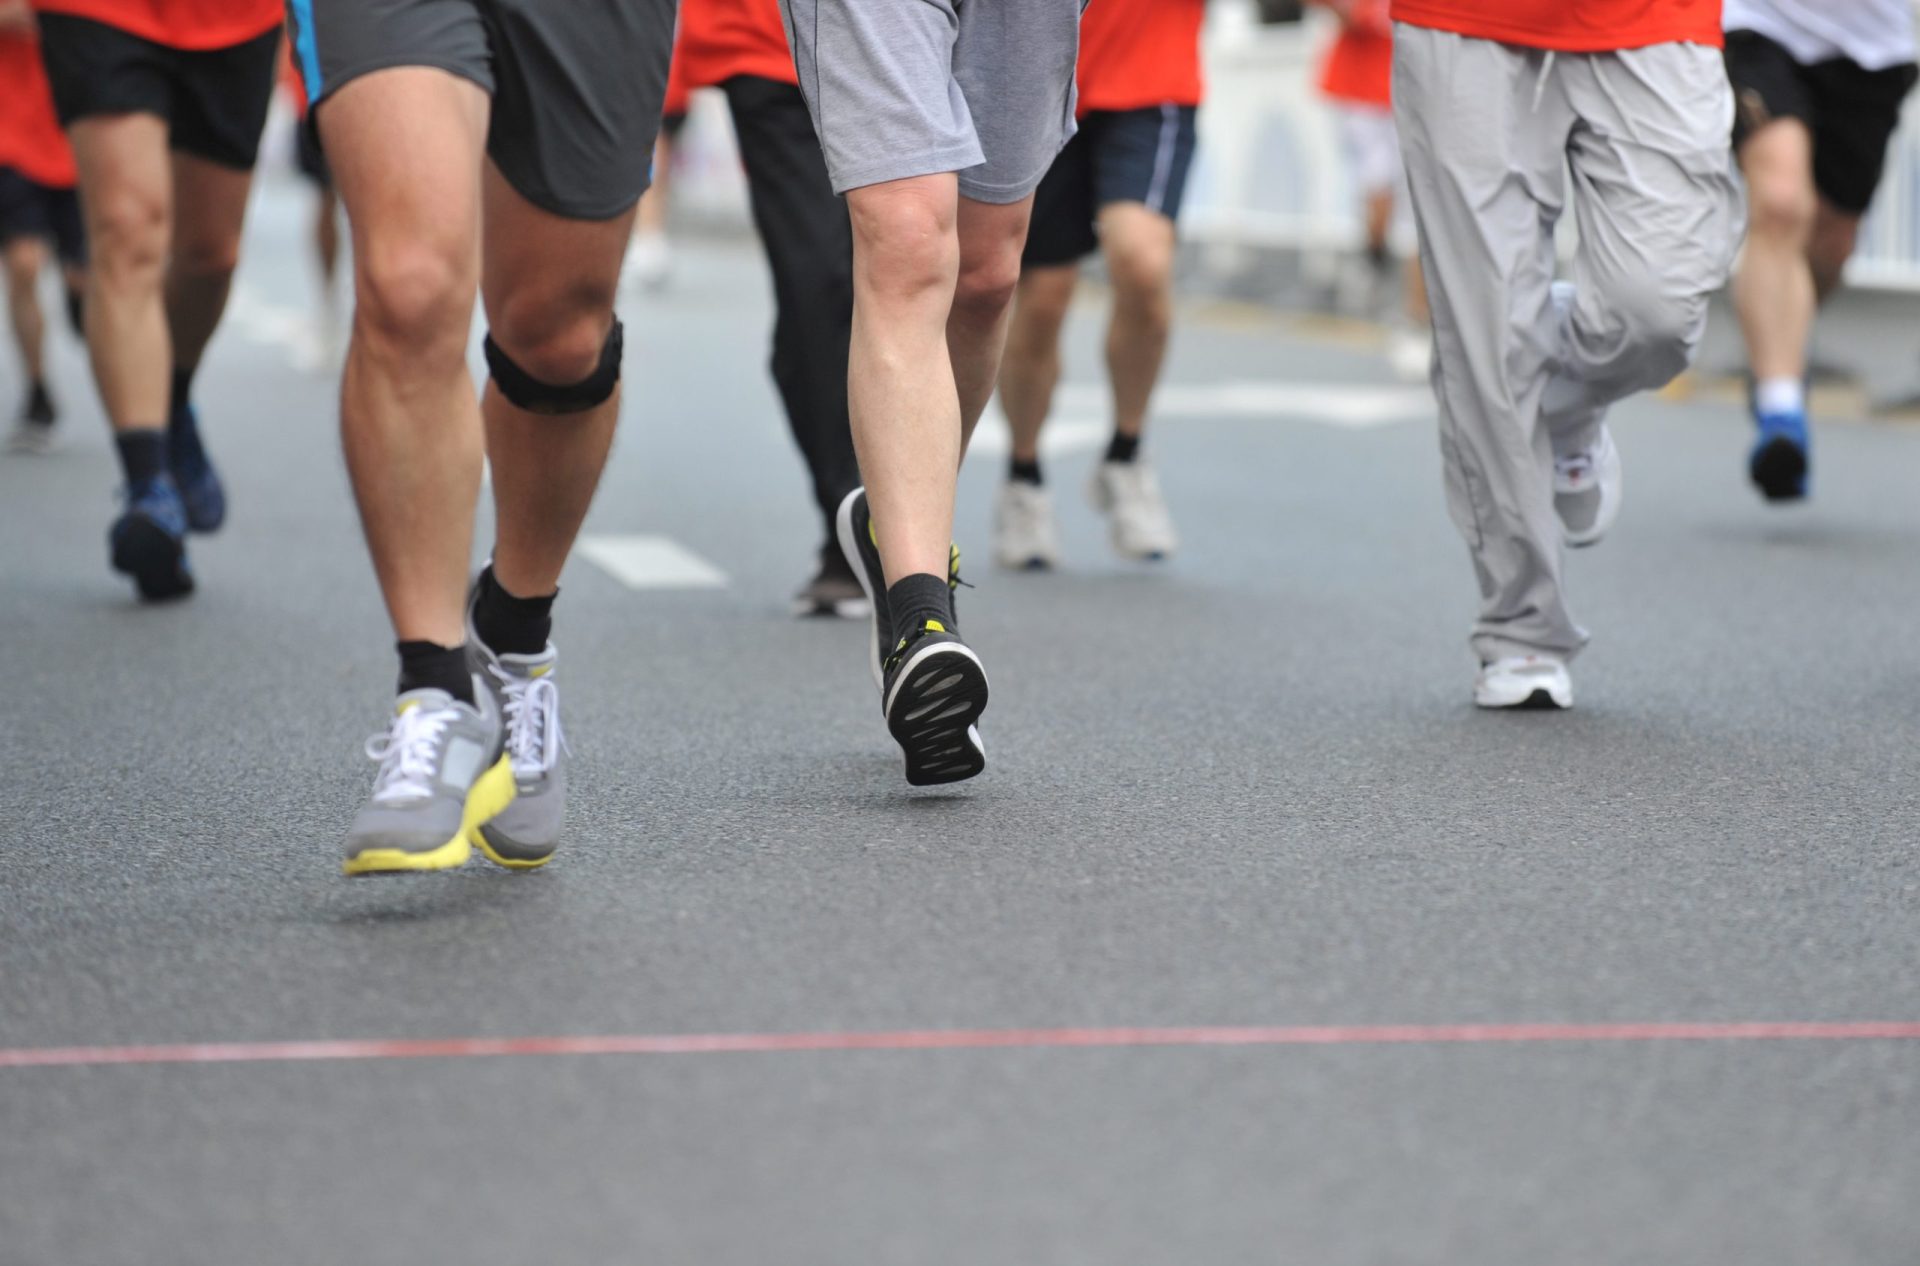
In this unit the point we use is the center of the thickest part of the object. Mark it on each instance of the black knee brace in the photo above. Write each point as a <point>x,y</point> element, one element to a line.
<point>525,391</point>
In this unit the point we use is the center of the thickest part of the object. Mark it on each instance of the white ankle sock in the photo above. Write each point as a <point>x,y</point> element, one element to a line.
<point>1780,395</point>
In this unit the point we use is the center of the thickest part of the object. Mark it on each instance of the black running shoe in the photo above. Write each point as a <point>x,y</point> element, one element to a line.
<point>853,524</point>
<point>833,591</point>
<point>934,694</point>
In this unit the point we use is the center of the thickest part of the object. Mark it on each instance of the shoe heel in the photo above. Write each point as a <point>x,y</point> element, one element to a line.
<point>489,796</point>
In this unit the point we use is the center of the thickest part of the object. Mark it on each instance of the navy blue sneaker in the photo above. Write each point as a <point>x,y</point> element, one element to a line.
<point>149,541</point>
<point>1779,462</point>
<point>193,473</point>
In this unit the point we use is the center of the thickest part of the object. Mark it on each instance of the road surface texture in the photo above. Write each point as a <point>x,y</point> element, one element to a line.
<point>1245,788</point>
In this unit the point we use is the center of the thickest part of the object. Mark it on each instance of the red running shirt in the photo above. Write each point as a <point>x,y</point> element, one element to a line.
<point>1359,65</point>
<point>193,25</point>
<point>31,141</point>
<point>1135,54</point>
<point>1570,26</point>
<point>720,39</point>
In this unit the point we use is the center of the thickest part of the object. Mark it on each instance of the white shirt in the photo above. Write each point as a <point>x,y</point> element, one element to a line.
<point>1874,33</point>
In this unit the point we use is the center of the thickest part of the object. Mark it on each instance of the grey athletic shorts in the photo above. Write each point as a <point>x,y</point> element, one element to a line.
<point>903,88</point>
<point>577,85</point>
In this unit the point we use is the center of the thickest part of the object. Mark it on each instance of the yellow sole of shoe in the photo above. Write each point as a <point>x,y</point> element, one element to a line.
<point>491,793</point>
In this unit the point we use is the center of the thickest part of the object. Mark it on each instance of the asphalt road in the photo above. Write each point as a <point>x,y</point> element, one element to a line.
<point>1245,788</point>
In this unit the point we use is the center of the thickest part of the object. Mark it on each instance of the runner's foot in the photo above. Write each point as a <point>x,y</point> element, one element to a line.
<point>200,489</point>
<point>1524,681</point>
<point>443,774</point>
<point>934,693</point>
<point>525,833</point>
<point>1587,491</point>
<point>1128,493</point>
<point>149,540</point>
<point>1025,537</point>
<point>1779,463</point>
<point>833,591</point>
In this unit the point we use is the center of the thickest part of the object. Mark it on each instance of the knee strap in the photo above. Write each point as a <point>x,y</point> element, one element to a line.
<point>525,391</point>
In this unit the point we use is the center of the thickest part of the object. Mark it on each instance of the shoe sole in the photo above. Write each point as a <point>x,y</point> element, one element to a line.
<point>850,546</point>
<point>937,700</point>
<point>512,854</point>
<point>1779,470</point>
<point>490,794</point>
<point>1540,699</point>
<point>144,550</point>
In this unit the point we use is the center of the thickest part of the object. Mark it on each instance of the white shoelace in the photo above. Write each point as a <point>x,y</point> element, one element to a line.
<point>406,754</point>
<point>532,708</point>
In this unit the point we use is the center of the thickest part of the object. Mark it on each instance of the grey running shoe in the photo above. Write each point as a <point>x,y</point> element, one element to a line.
<point>1586,491</point>
<point>443,772</point>
<point>526,832</point>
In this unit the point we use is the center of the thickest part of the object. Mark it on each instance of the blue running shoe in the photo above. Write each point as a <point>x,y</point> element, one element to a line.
<point>193,473</point>
<point>149,541</point>
<point>1779,463</point>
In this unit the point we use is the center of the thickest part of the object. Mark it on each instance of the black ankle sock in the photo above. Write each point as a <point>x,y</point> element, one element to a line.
<point>915,599</point>
<point>1025,472</point>
<point>182,395</point>
<point>1380,258</point>
<point>510,625</point>
<point>1122,448</point>
<point>143,453</point>
<point>427,666</point>
<point>76,314</point>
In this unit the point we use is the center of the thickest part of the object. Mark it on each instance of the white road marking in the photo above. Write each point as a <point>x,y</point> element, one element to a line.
<point>650,562</point>
<point>1350,405</point>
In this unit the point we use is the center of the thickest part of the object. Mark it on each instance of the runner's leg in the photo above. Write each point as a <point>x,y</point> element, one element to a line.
<point>405,145</point>
<point>1773,290</point>
<point>1138,244</point>
<point>210,207</point>
<point>25,259</point>
<point>549,284</point>
<point>128,179</point>
<point>1030,370</point>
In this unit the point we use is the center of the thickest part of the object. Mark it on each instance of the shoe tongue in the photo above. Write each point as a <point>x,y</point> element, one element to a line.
<point>429,698</point>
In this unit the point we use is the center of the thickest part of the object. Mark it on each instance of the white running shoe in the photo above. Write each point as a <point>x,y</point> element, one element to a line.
<point>1410,353</point>
<point>1138,522</point>
<point>1586,491</point>
<point>1523,681</point>
<point>35,438</point>
<point>649,264</point>
<point>1024,535</point>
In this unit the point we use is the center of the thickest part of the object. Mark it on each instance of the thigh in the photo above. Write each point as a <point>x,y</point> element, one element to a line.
<point>96,69</point>
<point>1014,62</point>
<point>542,274</point>
<point>1064,210</point>
<point>406,147</point>
<point>209,207</point>
<point>1659,210</point>
<point>879,78</point>
<point>1143,156</point>
<point>1855,114</point>
<point>579,89</point>
<point>220,100</point>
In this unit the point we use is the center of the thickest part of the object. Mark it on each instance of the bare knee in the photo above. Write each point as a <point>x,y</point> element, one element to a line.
<point>24,257</point>
<point>556,339</point>
<point>986,284</point>
<point>906,246</point>
<point>206,256</point>
<point>127,231</point>
<point>414,298</point>
<point>1142,277</point>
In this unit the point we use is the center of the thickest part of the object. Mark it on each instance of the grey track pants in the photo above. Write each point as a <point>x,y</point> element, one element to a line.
<point>1497,140</point>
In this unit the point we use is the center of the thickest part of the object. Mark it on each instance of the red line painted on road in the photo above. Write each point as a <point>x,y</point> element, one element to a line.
<point>956,1039</point>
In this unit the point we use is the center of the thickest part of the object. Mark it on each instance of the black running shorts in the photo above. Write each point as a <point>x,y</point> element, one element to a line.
<point>214,101</point>
<point>1851,112</point>
<point>1116,156</point>
<point>577,85</point>
<point>31,209</point>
